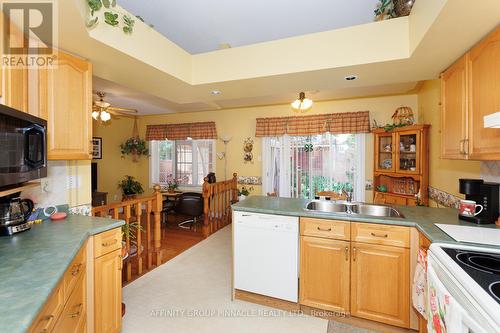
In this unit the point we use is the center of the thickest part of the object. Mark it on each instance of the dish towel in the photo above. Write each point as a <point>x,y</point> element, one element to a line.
<point>419,287</point>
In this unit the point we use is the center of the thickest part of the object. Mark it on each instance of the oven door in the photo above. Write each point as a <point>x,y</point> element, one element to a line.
<point>447,311</point>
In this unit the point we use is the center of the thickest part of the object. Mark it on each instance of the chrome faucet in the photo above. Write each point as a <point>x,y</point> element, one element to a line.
<point>348,194</point>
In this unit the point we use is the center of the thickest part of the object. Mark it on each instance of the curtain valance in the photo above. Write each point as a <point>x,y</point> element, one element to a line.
<point>196,131</point>
<point>335,123</point>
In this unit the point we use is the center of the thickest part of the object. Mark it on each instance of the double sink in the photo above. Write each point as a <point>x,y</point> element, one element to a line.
<point>353,208</point>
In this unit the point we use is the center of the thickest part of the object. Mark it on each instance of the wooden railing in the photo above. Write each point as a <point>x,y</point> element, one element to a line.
<point>217,200</point>
<point>143,218</point>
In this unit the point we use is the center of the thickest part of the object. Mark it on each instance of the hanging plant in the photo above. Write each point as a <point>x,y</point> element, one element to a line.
<point>384,10</point>
<point>135,147</point>
<point>111,15</point>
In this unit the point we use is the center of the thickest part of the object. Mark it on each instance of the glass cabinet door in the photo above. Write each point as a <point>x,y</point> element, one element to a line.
<point>408,147</point>
<point>385,152</point>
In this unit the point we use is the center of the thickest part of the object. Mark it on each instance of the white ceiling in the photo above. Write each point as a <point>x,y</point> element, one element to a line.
<point>200,26</point>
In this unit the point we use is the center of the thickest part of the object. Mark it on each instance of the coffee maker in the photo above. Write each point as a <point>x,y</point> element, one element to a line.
<point>485,194</point>
<point>14,214</point>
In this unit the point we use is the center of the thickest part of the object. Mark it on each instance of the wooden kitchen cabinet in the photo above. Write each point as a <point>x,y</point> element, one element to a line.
<point>65,100</point>
<point>454,110</point>
<point>324,277</point>
<point>469,91</point>
<point>380,283</point>
<point>108,293</point>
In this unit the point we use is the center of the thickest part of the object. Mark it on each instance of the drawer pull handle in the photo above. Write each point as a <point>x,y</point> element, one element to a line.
<point>76,314</point>
<point>49,319</point>
<point>381,236</point>
<point>76,269</point>
<point>346,253</point>
<point>320,229</point>
<point>113,242</point>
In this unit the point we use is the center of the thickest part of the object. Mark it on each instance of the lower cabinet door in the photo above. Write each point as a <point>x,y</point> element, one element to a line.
<point>324,273</point>
<point>74,317</point>
<point>380,283</point>
<point>108,293</point>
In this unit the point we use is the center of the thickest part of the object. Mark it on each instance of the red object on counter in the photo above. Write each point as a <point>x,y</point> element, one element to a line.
<point>58,216</point>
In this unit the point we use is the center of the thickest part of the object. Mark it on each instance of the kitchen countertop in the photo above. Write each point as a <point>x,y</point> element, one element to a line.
<point>422,218</point>
<point>33,262</point>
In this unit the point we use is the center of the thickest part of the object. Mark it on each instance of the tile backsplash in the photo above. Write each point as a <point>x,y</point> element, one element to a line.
<point>67,182</point>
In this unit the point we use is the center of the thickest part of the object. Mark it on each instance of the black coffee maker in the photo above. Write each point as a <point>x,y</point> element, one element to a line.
<point>485,194</point>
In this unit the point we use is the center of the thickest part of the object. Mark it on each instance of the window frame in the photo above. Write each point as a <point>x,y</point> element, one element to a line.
<point>154,160</point>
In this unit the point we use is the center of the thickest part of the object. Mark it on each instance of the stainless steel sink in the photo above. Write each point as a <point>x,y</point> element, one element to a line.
<point>376,210</point>
<point>327,206</point>
<point>354,208</point>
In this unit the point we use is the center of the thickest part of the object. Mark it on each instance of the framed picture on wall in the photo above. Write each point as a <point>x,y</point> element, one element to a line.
<point>96,148</point>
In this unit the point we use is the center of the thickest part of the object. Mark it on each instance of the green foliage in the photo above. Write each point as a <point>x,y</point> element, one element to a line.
<point>128,23</point>
<point>130,186</point>
<point>94,6</point>
<point>111,16</point>
<point>128,230</point>
<point>390,127</point>
<point>245,191</point>
<point>134,146</point>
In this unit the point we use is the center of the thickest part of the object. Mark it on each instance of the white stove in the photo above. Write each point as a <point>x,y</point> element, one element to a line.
<point>463,289</point>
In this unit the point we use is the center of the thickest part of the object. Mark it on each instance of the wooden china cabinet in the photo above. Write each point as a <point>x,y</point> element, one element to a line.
<point>401,168</point>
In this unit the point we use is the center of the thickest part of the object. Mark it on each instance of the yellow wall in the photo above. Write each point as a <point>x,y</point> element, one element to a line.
<point>112,168</point>
<point>444,174</point>
<point>240,124</point>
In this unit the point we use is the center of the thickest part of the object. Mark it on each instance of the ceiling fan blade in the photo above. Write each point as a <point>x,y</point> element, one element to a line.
<point>123,110</point>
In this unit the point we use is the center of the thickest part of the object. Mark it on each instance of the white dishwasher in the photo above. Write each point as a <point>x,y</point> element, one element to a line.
<point>266,254</point>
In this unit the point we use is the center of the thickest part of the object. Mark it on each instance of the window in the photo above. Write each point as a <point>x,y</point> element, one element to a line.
<point>300,166</point>
<point>188,161</point>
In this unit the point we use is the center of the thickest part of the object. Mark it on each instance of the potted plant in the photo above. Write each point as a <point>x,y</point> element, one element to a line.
<point>244,192</point>
<point>135,147</point>
<point>130,188</point>
<point>129,230</point>
<point>172,184</point>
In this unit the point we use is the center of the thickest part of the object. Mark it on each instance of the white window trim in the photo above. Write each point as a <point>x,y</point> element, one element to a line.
<point>154,163</point>
<point>285,182</point>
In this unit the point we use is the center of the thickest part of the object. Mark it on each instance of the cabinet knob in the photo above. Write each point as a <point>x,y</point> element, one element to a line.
<point>49,319</point>
<point>346,250</point>
<point>353,254</point>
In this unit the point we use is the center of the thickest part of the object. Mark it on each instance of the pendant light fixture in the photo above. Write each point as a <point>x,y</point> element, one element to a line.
<point>302,104</point>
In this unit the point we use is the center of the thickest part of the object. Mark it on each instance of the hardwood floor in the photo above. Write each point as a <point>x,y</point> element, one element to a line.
<point>174,241</point>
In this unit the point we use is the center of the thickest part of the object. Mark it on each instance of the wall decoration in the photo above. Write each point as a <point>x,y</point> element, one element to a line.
<point>247,149</point>
<point>403,116</point>
<point>96,148</point>
<point>249,180</point>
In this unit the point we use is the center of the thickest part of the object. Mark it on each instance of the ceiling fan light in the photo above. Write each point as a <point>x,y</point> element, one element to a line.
<point>95,115</point>
<point>302,103</point>
<point>105,116</point>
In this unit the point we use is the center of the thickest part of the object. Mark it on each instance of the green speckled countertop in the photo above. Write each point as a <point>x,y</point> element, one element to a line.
<point>422,218</point>
<point>33,262</point>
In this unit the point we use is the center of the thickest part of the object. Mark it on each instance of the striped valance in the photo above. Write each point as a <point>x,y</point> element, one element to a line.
<point>335,123</point>
<point>196,131</point>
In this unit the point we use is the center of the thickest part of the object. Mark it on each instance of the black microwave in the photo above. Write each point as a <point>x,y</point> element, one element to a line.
<point>23,147</point>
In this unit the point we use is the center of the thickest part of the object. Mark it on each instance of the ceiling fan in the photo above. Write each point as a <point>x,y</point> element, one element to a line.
<point>102,110</point>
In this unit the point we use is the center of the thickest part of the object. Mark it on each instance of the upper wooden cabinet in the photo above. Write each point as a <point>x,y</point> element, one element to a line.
<point>454,106</point>
<point>470,90</point>
<point>65,100</point>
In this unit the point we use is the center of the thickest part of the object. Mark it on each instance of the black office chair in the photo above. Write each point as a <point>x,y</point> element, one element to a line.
<point>190,204</point>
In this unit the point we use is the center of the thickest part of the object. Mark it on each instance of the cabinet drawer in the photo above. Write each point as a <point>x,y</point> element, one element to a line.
<point>394,200</point>
<point>50,313</point>
<point>73,317</point>
<point>325,228</point>
<point>77,269</point>
<point>107,242</point>
<point>381,234</point>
